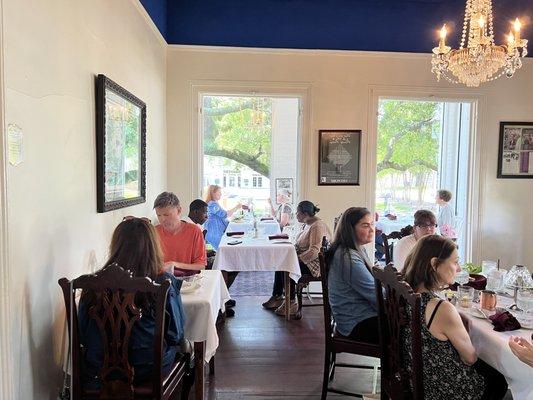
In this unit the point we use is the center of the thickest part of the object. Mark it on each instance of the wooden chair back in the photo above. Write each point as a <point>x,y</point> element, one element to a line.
<point>394,296</point>
<point>396,235</point>
<point>324,270</point>
<point>115,313</point>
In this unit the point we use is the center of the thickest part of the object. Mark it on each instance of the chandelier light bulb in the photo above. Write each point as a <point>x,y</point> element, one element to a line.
<point>481,21</point>
<point>510,38</point>
<point>443,32</point>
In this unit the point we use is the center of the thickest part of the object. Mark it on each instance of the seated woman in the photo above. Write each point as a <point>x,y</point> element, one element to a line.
<point>351,284</point>
<point>425,224</point>
<point>308,243</point>
<point>451,367</point>
<point>217,217</point>
<point>283,213</point>
<point>134,246</point>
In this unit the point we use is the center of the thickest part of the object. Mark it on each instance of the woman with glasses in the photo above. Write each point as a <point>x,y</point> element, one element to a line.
<point>425,224</point>
<point>350,281</point>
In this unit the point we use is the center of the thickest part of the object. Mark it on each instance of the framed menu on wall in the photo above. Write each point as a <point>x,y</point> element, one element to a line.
<point>515,155</point>
<point>339,157</point>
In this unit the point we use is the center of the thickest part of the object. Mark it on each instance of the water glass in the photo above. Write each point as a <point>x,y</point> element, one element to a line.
<point>465,295</point>
<point>495,279</point>
<point>487,266</point>
<point>462,277</point>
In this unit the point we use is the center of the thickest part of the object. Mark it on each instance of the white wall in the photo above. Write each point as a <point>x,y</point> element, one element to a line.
<point>53,50</point>
<point>340,99</point>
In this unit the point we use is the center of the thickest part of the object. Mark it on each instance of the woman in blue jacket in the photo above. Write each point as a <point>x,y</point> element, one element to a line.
<point>217,217</point>
<point>135,247</point>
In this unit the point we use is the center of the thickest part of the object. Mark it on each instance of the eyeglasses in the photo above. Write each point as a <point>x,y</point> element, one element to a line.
<point>426,226</point>
<point>129,217</point>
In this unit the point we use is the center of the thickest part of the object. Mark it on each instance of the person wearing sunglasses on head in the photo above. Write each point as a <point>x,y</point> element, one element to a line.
<point>425,224</point>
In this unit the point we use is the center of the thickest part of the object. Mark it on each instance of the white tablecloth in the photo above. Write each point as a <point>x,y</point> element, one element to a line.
<point>201,309</point>
<point>493,348</point>
<point>264,227</point>
<point>257,255</point>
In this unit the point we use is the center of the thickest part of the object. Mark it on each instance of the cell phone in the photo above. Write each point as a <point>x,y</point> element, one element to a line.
<point>235,242</point>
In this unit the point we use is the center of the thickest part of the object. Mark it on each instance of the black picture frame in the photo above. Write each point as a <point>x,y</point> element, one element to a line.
<point>120,146</point>
<point>515,150</point>
<point>339,162</point>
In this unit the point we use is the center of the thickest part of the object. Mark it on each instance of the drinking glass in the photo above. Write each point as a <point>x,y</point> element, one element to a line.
<point>487,266</point>
<point>524,301</point>
<point>495,279</point>
<point>462,277</point>
<point>466,295</point>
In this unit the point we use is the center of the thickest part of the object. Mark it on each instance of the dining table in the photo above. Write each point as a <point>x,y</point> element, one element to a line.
<point>202,300</point>
<point>493,348</point>
<point>249,253</point>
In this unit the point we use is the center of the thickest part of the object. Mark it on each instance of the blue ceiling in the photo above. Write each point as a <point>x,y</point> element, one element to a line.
<point>373,25</point>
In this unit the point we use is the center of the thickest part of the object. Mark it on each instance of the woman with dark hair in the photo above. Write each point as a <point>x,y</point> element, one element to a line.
<point>351,284</point>
<point>451,367</point>
<point>135,247</point>
<point>425,224</point>
<point>308,243</point>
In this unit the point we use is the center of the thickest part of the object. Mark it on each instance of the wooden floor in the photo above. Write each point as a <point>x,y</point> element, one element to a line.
<point>261,356</point>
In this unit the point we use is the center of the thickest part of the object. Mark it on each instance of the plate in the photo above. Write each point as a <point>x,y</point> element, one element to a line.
<point>187,287</point>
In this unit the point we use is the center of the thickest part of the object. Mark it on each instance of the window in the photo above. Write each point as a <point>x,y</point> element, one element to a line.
<point>430,151</point>
<point>247,141</point>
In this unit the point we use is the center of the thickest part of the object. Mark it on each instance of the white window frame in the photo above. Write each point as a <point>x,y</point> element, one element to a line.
<point>475,161</point>
<point>300,90</point>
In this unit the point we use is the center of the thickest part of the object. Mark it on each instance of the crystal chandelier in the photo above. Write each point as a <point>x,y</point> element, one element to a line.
<point>478,59</point>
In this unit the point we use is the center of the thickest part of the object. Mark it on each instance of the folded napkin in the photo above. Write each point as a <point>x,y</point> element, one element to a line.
<point>178,272</point>
<point>504,321</point>
<point>478,282</point>
<point>267,219</point>
<point>234,233</point>
<point>280,236</point>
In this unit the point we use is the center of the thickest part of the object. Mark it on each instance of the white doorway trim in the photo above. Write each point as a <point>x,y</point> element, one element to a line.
<point>300,90</point>
<point>6,364</point>
<point>475,162</point>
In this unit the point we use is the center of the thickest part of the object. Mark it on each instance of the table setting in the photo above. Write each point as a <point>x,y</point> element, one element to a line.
<point>495,312</point>
<point>259,252</point>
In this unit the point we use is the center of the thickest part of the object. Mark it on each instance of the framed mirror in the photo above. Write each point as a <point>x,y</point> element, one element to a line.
<point>120,146</point>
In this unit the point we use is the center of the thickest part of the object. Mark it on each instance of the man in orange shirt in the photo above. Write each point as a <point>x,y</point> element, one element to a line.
<point>182,243</point>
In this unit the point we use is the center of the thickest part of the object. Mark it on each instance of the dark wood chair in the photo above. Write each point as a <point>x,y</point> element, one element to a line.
<point>336,222</point>
<point>115,314</point>
<point>336,343</point>
<point>394,298</point>
<point>389,245</point>
<point>301,285</point>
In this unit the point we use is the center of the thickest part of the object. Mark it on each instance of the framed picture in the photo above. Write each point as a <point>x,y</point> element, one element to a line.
<point>515,153</point>
<point>120,147</point>
<point>284,187</point>
<point>339,152</point>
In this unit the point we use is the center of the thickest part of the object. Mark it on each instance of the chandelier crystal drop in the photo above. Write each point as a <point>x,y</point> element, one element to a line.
<point>478,59</point>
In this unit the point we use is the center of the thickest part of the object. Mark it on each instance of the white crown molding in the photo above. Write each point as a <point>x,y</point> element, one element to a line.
<point>6,375</point>
<point>144,14</point>
<point>305,52</point>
